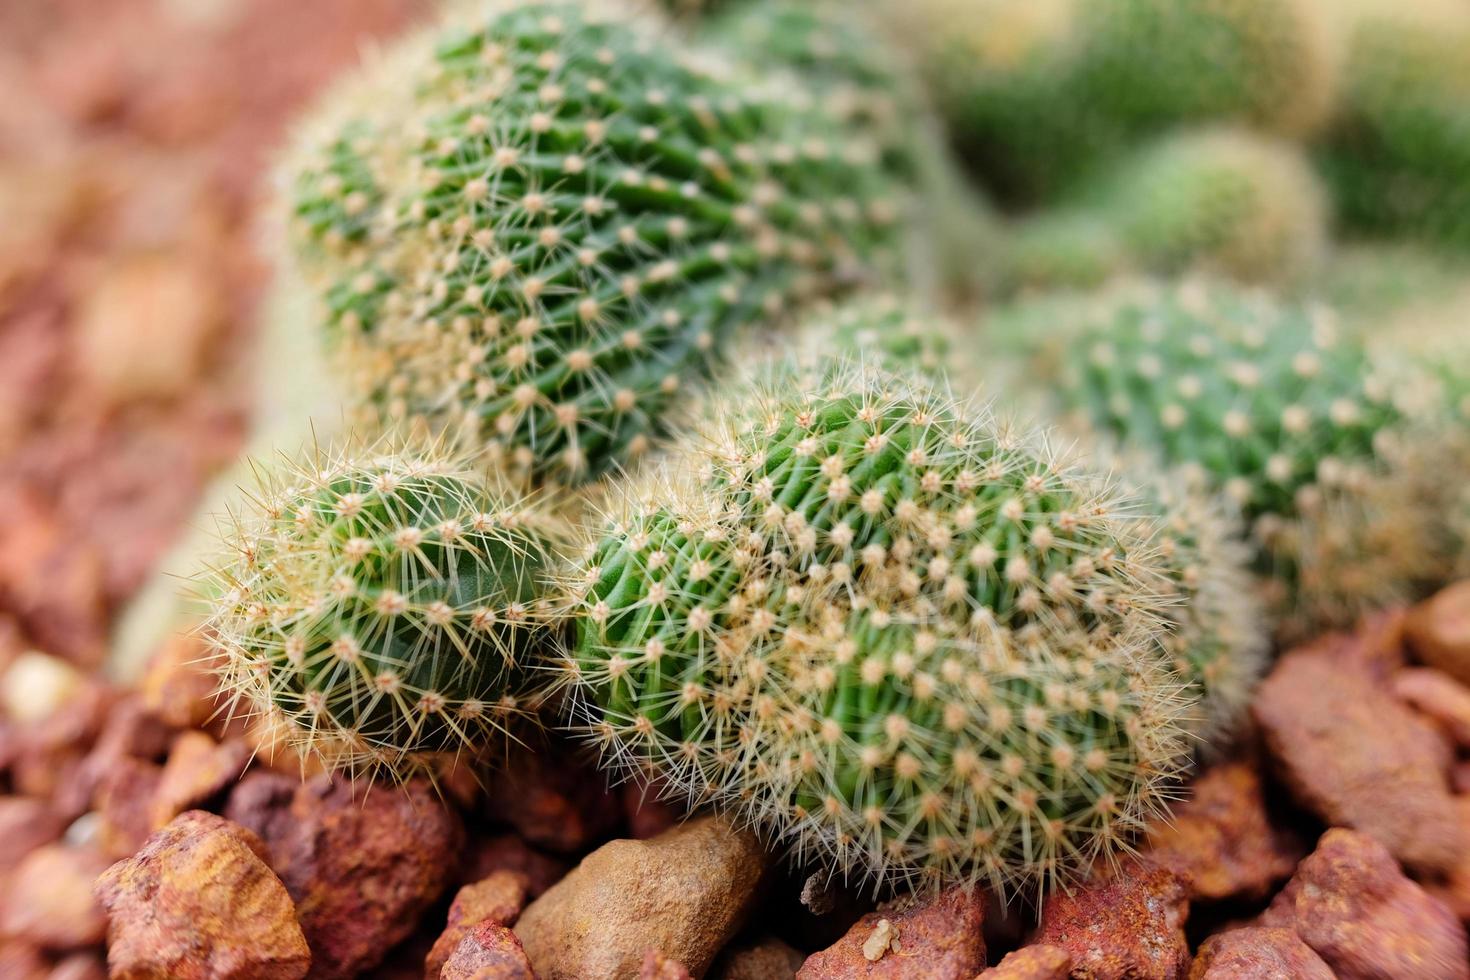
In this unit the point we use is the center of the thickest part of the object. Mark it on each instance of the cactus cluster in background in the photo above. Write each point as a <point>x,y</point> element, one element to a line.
<point>386,608</point>
<point>902,637</point>
<point>1398,157</point>
<point>1323,446</point>
<point>569,222</point>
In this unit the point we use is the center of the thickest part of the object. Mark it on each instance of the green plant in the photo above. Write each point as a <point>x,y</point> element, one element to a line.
<point>897,634</point>
<point>880,330</point>
<point>384,608</point>
<point>1398,155</point>
<point>1325,446</point>
<point>1063,249</point>
<point>565,224</point>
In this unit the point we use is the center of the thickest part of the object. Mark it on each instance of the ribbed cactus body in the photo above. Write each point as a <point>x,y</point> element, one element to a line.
<point>577,213</point>
<point>385,609</point>
<point>904,639</point>
<point>1322,445</point>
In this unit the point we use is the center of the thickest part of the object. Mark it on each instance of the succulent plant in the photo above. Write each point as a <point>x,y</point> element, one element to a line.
<point>1323,445</point>
<point>1063,249</point>
<point>1398,155</point>
<point>567,222</point>
<point>385,608</point>
<point>1226,201</point>
<point>894,633</point>
<point>882,330</point>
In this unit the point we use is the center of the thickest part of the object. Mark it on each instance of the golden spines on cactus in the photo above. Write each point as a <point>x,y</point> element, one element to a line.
<point>898,635</point>
<point>385,608</point>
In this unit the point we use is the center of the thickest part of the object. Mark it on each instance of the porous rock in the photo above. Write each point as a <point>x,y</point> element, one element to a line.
<point>498,899</point>
<point>1032,963</point>
<point>47,900</point>
<point>937,936</point>
<point>1125,926</point>
<point>1438,631</point>
<point>489,952</point>
<point>1257,952</point>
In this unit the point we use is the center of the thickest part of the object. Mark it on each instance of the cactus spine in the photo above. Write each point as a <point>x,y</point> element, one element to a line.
<point>384,608</point>
<point>901,637</point>
<point>568,222</point>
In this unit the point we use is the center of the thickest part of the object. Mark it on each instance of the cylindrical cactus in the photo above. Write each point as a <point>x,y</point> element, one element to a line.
<point>383,609</point>
<point>571,216</point>
<point>900,636</point>
<point>1322,445</point>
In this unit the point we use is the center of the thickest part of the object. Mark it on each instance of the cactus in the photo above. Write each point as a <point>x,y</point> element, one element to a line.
<point>881,330</point>
<point>566,225</point>
<point>1063,249</point>
<point>1398,156</point>
<point>1323,445</point>
<point>894,633</point>
<point>1225,201</point>
<point>384,608</point>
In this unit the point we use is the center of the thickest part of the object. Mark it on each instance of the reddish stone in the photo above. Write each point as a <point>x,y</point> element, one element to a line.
<point>1438,631</point>
<point>1257,952</point>
<point>1222,839</point>
<point>507,852</point>
<point>1357,757</point>
<point>657,966</point>
<point>554,801</point>
<point>179,686</point>
<point>937,937</point>
<point>1352,904</point>
<point>125,804</point>
<point>766,959</point>
<point>25,824</point>
<point>20,961</point>
<point>1032,963</point>
<point>261,802</point>
<point>362,863</point>
<point>198,770</point>
<point>1123,926</point>
<point>79,966</point>
<point>646,815</point>
<point>498,899</point>
<point>489,952</point>
<point>48,899</point>
<point>1439,697</point>
<point>198,903</point>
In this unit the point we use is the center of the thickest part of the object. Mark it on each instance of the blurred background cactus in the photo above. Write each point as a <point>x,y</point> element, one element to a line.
<point>385,609</point>
<point>904,638</point>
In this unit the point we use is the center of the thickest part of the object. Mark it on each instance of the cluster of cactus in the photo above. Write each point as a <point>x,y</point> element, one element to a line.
<point>567,222</point>
<point>385,608</point>
<point>1224,201</point>
<point>1324,446</point>
<point>1042,91</point>
<point>1398,157</point>
<point>893,632</point>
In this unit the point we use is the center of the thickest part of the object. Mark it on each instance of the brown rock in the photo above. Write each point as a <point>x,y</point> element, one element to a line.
<point>684,892</point>
<point>198,769</point>
<point>647,815</point>
<point>1257,952</point>
<point>25,824</point>
<point>1032,963</point>
<point>180,684</point>
<point>1439,697</point>
<point>80,966</point>
<point>657,966</point>
<point>936,937</point>
<point>507,852</point>
<point>767,959</point>
<point>1460,778</point>
<point>198,902</point>
<point>20,961</point>
<point>489,952</point>
<point>553,800</point>
<point>261,802</point>
<point>125,805</point>
<point>1359,758</point>
<point>1438,631</point>
<point>1350,902</point>
<point>48,899</point>
<point>1128,926</point>
<point>362,864</point>
<point>1222,840</point>
<point>498,899</point>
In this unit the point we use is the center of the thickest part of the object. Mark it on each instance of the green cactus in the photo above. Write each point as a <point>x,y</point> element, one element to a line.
<point>896,634</point>
<point>1224,201</point>
<point>1323,445</point>
<point>1398,156</point>
<point>384,609</point>
<point>1063,249</point>
<point>883,331</point>
<point>576,211</point>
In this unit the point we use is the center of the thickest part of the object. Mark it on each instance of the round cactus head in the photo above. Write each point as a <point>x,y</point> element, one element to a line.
<point>572,217</point>
<point>896,634</point>
<point>1323,446</point>
<point>384,609</point>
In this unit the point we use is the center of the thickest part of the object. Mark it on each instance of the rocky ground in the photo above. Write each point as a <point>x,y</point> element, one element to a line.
<point>138,830</point>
